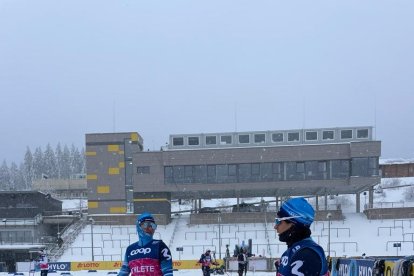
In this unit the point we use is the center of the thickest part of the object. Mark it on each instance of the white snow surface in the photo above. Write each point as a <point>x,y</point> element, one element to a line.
<point>351,237</point>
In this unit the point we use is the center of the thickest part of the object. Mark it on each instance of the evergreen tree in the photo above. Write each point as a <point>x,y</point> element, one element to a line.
<point>21,181</point>
<point>27,170</point>
<point>4,177</point>
<point>49,158</point>
<point>66,166</point>
<point>14,177</point>
<point>76,160</point>
<point>38,164</point>
<point>59,161</point>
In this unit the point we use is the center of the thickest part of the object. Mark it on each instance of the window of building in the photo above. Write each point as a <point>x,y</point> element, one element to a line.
<point>225,140</point>
<point>328,135</point>
<point>211,173</point>
<point>143,170</point>
<point>311,135</point>
<point>340,169</point>
<point>168,172</point>
<point>199,174</point>
<point>178,141</point>
<point>211,140</point>
<point>362,133</point>
<point>232,170</point>
<point>245,172</point>
<point>178,174</point>
<point>293,136</point>
<point>346,134</point>
<point>260,138</point>
<point>193,141</point>
<point>277,137</point>
<point>244,138</point>
<point>188,174</point>
<point>266,171</point>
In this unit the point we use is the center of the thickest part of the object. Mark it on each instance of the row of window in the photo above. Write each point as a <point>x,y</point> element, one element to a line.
<point>268,172</point>
<point>16,236</point>
<point>276,137</point>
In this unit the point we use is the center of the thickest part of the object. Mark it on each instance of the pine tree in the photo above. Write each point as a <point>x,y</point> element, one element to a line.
<point>14,177</point>
<point>50,162</point>
<point>66,166</point>
<point>38,164</point>
<point>4,177</point>
<point>27,170</point>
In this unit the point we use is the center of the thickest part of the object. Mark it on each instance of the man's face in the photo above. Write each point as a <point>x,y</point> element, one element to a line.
<point>148,227</point>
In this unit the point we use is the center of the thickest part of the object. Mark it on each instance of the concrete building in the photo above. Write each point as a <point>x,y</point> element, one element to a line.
<point>124,179</point>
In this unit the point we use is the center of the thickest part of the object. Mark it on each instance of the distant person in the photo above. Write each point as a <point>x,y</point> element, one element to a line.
<point>60,242</point>
<point>147,256</point>
<point>303,256</point>
<point>206,261</point>
<point>43,263</point>
<point>242,261</point>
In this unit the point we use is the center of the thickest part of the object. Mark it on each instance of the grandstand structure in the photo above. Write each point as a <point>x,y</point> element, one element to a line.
<point>124,179</point>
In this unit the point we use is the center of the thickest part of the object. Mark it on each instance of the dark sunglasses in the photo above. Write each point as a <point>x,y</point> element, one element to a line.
<point>147,224</point>
<point>279,220</point>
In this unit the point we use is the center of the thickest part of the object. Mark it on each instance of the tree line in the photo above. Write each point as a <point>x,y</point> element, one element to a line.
<point>61,162</point>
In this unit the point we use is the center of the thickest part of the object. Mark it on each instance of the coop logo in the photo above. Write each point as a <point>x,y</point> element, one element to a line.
<point>141,251</point>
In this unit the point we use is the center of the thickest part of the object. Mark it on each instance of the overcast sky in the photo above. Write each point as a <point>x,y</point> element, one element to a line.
<point>167,67</point>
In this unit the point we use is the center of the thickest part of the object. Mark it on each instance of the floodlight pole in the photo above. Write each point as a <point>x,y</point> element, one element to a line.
<point>219,224</point>
<point>329,216</point>
<point>92,221</point>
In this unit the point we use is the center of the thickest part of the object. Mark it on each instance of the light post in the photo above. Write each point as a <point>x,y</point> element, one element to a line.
<point>92,221</point>
<point>329,216</point>
<point>219,224</point>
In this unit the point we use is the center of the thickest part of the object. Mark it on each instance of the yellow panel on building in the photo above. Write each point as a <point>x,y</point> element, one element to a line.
<point>91,177</point>
<point>121,164</point>
<point>90,153</point>
<point>93,204</point>
<point>113,171</point>
<point>112,148</point>
<point>134,136</point>
<point>117,210</point>
<point>103,189</point>
<point>121,152</point>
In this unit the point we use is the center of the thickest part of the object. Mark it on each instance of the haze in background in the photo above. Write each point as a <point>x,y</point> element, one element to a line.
<point>167,67</point>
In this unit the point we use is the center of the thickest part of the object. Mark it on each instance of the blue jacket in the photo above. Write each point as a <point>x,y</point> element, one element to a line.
<point>151,259</point>
<point>303,258</point>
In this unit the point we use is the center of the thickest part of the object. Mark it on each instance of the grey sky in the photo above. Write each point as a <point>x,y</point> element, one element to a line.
<point>167,67</point>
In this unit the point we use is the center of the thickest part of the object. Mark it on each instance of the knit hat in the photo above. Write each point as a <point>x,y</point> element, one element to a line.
<point>302,212</point>
<point>145,217</point>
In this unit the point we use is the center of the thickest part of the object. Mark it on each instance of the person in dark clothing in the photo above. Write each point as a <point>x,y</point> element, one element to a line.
<point>242,260</point>
<point>206,261</point>
<point>60,242</point>
<point>303,256</point>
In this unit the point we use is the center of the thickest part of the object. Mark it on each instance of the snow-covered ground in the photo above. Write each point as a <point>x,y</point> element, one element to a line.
<point>351,237</point>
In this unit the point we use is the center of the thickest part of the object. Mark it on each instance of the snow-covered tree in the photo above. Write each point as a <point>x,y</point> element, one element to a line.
<point>66,165</point>
<point>4,177</point>
<point>27,169</point>
<point>38,164</point>
<point>49,159</point>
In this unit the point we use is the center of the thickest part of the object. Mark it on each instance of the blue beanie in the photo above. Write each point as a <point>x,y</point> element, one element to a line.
<point>145,217</point>
<point>298,207</point>
<point>143,237</point>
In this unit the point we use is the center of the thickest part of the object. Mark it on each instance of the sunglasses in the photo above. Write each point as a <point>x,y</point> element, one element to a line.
<point>279,220</point>
<point>147,224</point>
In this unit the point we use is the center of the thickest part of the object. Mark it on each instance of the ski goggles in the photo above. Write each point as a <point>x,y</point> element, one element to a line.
<point>147,224</point>
<point>279,220</point>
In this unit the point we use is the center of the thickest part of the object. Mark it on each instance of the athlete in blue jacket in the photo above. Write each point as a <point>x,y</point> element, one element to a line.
<point>147,257</point>
<point>303,257</point>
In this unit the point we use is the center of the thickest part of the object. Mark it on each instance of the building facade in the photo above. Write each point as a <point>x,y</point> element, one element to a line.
<point>306,162</point>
